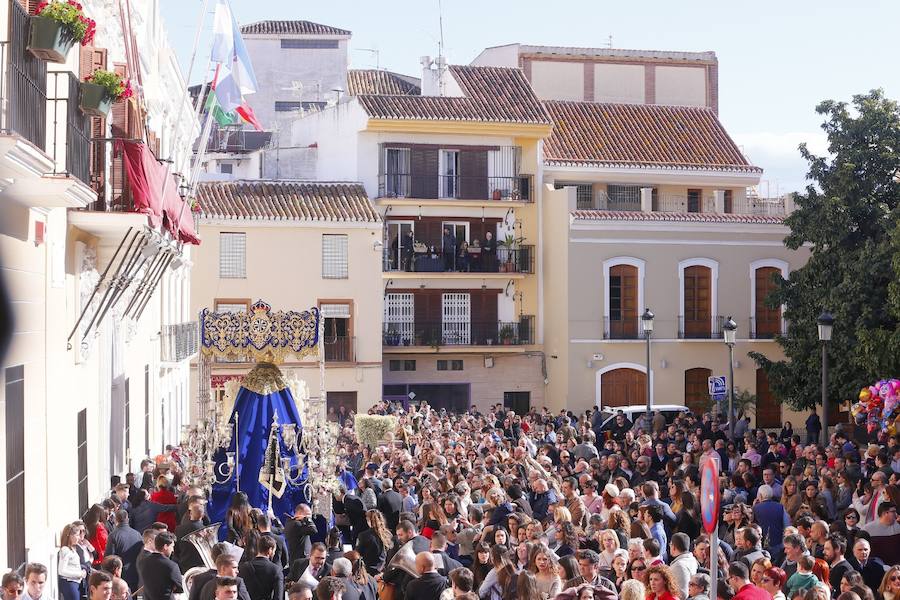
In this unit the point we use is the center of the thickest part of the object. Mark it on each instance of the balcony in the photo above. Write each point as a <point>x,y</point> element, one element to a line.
<point>23,87</point>
<point>765,329</point>
<point>425,260</point>
<point>516,188</point>
<point>68,143</point>
<point>340,348</point>
<point>179,342</point>
<point>647,199</point>
<point>465,333</point>
<point>695,328</point>
<point>623,329</point>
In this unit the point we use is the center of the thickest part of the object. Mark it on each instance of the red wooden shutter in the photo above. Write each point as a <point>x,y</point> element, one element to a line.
<point>768,320</point>
<point>623,302</point>
<point>30,5</point>
<point>91,59</point>
<point>697,302</point>
<point>120,128</point>
<point>696,389</point>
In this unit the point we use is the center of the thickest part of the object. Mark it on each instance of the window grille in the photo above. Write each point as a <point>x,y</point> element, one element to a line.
<point>229,307</point>
<point>295,44</point>
<point>233,255</point>
<point>584,194</point>
<point>336,311</point>
<point>334,256</point>
<point>226,168</point>
<point>291,105</point>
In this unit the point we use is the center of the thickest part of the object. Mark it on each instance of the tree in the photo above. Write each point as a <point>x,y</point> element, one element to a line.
<point>849,220</point>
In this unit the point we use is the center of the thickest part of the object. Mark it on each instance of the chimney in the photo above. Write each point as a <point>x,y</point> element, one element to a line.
<point>430,77</point>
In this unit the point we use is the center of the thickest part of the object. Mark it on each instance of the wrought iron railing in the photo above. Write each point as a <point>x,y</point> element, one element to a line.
<point>706,328</point>
<point>465,333</point>
<point>765,329</point>
<point>68,143</point>
<point>517,188</point>
<point>339,348</point>
<point>505,260</point>
<point>179,342</point>
<point>23,83</point>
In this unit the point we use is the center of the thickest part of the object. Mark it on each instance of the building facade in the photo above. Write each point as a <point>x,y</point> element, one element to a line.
<point>96,375</point>
<point>297,245</point>
<point>452,169</point>
<point>652,210</point>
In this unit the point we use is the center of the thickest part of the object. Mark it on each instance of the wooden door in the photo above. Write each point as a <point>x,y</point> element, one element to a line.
<point>623,307</point>
<point>473,174</point>
<point>623,387</point>
<point>696,390</point>
<point>768,409</point>
<point>697,302</point>
<point>768,320</point>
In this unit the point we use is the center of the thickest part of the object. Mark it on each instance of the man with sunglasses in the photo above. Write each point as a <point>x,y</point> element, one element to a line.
<point>13,586</point>
<point>885,532</point>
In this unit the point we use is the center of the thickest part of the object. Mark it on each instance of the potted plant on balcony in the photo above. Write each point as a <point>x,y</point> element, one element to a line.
<point>507,333</point>
<point>497,194</point>
<point>56,27</point>
<point>100,89</point>
<point>510,243</point>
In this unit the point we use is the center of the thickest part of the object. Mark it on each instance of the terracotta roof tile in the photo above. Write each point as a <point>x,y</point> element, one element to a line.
<point>491,94</point>
<point>372,81</point>
<point>634,215</point>
<point>640,135</point>
<point>286,201</point>
<point>291,28</point>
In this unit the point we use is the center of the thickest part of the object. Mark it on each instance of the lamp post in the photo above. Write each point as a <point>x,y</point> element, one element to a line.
<point>826,323</point>
<point>647,328</point>
<point>730,332</point>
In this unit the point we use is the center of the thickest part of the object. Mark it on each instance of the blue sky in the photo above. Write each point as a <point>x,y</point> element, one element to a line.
<point>777,60</point>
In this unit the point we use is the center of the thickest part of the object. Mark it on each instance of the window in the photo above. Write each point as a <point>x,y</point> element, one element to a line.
<point>15,464</point>
<point>292,105</point>
<point>450,365</point>
<point>233,255</point>
<point>584,194</point>
<point>766,321</point>
<point>295,44</point>
<point>449,173</point>
<point>338,338</point>
<point>697,302</point>
<point>623,291</point>
<point>518,402</point>
<point>399,319</point>
<point>226,168</point>
<point>693,201</point>
<point>396,172</point>
<point>402,365</point>
<point>729,201</point>
<point>231,305</point>
<point>334,256</point>
<point>623,197</point>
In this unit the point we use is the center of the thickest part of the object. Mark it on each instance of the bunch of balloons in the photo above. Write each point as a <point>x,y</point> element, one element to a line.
<point>879,406</point>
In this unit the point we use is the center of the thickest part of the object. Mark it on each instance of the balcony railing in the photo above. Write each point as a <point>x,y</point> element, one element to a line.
<point>690,328</point>
<point>506,260</point>
<point>179,342</point>
<point>23,83</point>
<point>627,200</point>
<point>622,329</point>
<point>340,348</point>
<point>517,188</point>
<point>678,203</point>
<point>68,141</point>
<point>466,333</point>
<point>765,329</point>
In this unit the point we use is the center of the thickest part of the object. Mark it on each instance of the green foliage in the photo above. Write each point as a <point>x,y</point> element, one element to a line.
<point>116,87</point>
<point>744,403</point>
<point>70,15</point>
<point>849,220</point>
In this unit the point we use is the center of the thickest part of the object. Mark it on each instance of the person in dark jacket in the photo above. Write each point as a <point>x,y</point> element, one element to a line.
<point>144,511</point>
<point>186,554</point>
<point>448,250</point>
<point>126,543</point>
<point>390,503</point>
<point>280,558</point>
<point>317,564</point>
<point>297,533</point>
<point>400,579</point>
<point>226,566</point>
<point>813,428</point>
<point>160,574</point>
<point>353,508</point>
<point>263,578</point>
<point>430,583</point>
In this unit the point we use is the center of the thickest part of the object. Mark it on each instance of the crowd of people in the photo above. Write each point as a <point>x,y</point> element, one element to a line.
<point>499,506</point>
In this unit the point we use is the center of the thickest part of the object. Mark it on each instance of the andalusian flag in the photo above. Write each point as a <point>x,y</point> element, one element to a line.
<point>224,119</point>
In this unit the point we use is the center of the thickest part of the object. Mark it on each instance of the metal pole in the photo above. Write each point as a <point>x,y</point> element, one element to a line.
<point>731,392</point>
<point>824,394</point>
<point>649,403</point>
<point>714,559</point>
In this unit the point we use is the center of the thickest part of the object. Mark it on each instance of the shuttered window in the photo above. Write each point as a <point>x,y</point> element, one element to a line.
<point>232,255</point>
<point>334,256</point>
<point>15,464</point>
<point>309,44</point>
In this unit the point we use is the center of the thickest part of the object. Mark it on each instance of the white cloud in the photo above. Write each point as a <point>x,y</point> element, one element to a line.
<point>779,156</point>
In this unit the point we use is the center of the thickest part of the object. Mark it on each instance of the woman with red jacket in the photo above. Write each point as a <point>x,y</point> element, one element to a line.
<point>95,524</point>
<point>164,495</point>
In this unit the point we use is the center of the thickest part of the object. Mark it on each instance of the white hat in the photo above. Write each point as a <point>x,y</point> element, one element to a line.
<point>611,490</point>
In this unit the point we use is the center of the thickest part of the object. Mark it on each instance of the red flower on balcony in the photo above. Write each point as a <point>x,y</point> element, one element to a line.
<point>71,15</point>
<point>117,87</point>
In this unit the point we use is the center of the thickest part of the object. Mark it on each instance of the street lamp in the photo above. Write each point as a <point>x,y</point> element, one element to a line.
<point>826,323</point>
<point>730,331</point>
<point>647,327</point>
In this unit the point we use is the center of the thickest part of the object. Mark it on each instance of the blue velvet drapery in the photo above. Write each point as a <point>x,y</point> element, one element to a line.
<point>254,419</point>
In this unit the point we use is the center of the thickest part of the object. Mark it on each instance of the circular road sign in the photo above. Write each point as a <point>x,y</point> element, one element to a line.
<point>710,496</point>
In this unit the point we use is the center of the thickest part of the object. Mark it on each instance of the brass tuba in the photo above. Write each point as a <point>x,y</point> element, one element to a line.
<point>405,560</point>
<point>204,540</point>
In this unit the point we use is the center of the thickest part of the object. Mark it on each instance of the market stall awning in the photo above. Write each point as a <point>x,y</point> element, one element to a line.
<point>146,176</point>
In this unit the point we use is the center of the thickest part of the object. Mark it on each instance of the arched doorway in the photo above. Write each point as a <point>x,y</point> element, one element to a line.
<point>768,409</point>
<point>623,387</point>
<point>696,390</point>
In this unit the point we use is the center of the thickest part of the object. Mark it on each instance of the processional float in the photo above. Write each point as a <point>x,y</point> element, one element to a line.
<point>275,445</point>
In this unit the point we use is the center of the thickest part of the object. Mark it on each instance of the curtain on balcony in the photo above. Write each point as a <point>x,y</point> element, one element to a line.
<point>146,176</point>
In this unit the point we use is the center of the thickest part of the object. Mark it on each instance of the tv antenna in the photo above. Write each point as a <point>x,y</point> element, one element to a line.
<point>371,51</point>
<point>441,28</point>
<point>609,41</point>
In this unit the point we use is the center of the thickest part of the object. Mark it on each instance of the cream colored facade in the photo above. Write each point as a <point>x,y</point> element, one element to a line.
<point>284,269</point>
<point>577,288</point>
